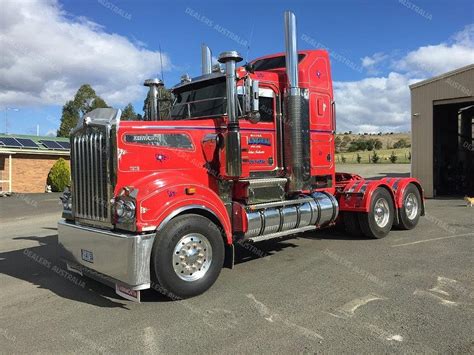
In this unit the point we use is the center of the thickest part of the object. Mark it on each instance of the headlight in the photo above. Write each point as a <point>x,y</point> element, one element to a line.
<point>67,205</point>
<point>125,210</point>
<point>66,200</point>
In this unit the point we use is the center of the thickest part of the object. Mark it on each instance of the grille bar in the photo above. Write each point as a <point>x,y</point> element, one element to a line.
<point>89,175</point>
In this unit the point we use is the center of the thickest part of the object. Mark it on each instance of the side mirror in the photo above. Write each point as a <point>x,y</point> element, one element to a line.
<point>254,102</point>
<point>251,100</point>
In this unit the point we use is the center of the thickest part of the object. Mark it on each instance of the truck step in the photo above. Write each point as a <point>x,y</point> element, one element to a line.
<point>282,234</point>
<point>265,182</point>
<point>261,206</point>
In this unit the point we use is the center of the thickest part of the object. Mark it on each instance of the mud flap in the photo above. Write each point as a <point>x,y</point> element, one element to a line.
<point>73,269</point>
<point>127,293</point>
<point>229,256</point>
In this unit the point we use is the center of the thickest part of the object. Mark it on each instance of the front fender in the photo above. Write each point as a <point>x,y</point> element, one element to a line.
<point>164,195</point>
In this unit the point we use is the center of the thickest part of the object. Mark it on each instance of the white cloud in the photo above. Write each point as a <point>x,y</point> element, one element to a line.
<point>377,104</point>
<point>374,104</point>
<point>440,58</point>
<point>47,55</point>
<point>370,63</point>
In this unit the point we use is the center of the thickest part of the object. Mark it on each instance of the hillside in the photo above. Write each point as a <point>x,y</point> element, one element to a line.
<point>385,138</point>
<point>386,145</point>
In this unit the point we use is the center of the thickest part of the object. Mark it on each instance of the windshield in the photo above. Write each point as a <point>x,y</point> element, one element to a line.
<point>205,99</point>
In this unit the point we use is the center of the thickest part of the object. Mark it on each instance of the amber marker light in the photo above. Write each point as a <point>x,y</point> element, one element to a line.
<point>190,190</point>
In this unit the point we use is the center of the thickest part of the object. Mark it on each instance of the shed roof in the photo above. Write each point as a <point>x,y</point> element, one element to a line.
<point>442,76</point>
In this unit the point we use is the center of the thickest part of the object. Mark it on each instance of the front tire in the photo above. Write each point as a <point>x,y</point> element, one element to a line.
<point>378,222</point>
<point>409,213</point>
<point>187,256</point>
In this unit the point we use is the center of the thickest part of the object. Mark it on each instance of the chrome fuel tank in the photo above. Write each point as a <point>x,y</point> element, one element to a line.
<point>318,209</point>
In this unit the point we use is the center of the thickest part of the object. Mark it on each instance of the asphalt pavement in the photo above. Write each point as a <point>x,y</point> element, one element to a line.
<point>318,292</point>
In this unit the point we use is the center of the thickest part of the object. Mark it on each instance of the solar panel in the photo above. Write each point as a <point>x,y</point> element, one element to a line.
<point>65,145</point>
<point>51,144</point>
<point>27,143</point>
<point>10,142</point>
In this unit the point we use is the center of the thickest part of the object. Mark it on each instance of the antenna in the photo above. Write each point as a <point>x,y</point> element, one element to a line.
<point>161,64</point>
<point>250,42</point>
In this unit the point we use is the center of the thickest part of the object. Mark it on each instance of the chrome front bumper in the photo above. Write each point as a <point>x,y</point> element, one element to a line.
<point>111,257</point>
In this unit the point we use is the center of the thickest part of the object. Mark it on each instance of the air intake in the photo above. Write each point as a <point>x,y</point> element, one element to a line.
<point>206,60</point>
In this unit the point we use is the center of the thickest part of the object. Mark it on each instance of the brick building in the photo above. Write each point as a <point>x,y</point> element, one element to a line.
<point>25,161</point>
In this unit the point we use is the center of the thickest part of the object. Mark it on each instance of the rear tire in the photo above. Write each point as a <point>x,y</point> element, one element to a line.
<point>187,256</point>
<point>378,222</point>
<point>409,213</point>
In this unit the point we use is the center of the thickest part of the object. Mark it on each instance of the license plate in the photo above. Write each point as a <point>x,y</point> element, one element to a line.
<point>87,256</point>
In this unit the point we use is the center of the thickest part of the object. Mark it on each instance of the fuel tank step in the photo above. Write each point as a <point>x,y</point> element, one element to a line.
<point>254,191</point>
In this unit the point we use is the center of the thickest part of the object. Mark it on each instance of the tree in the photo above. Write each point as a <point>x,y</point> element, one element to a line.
<point>401,143</point>
<point>69,119</point>
<point>346,139</point>
<point>370,144</point>
<point>393,158</point>
<point>359,144</point>
<point>337,143</point>
<point>84,101</point>
<point>375,158</point>
<point>378,144</point>
<point>59,176</point>
<point>128,113</point>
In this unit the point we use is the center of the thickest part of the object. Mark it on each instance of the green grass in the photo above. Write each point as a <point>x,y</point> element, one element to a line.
<point>384,154</point>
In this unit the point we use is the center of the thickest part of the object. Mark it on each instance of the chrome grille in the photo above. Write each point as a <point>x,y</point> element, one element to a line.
<point>89,174</point>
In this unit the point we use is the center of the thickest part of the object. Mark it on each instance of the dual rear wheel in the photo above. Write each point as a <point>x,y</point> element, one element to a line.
<point>378,222</point>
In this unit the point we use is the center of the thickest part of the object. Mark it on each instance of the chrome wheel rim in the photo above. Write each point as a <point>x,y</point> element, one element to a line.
<point>192,257</point>
<point>411,206</point>
<point>381,212</point>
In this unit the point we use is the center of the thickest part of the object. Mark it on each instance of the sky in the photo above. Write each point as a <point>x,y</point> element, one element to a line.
<point>378,47</point>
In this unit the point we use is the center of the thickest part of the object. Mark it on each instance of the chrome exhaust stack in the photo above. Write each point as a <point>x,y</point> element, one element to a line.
<point>294,157</point>
<point>232,141</point>
<point>152,109</point>
<point>291,52</point>
<point>206,60</point>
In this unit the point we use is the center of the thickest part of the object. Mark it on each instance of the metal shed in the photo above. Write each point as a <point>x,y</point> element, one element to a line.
<point>442,133</point>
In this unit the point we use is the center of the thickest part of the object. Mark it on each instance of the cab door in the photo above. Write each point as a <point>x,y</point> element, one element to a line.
<point>262,137</point>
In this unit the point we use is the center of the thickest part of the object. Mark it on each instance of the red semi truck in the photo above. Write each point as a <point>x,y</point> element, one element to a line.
<point>245,154</point>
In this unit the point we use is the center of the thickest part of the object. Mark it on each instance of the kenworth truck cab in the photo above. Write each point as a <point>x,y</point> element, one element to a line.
<point>245,154</point>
